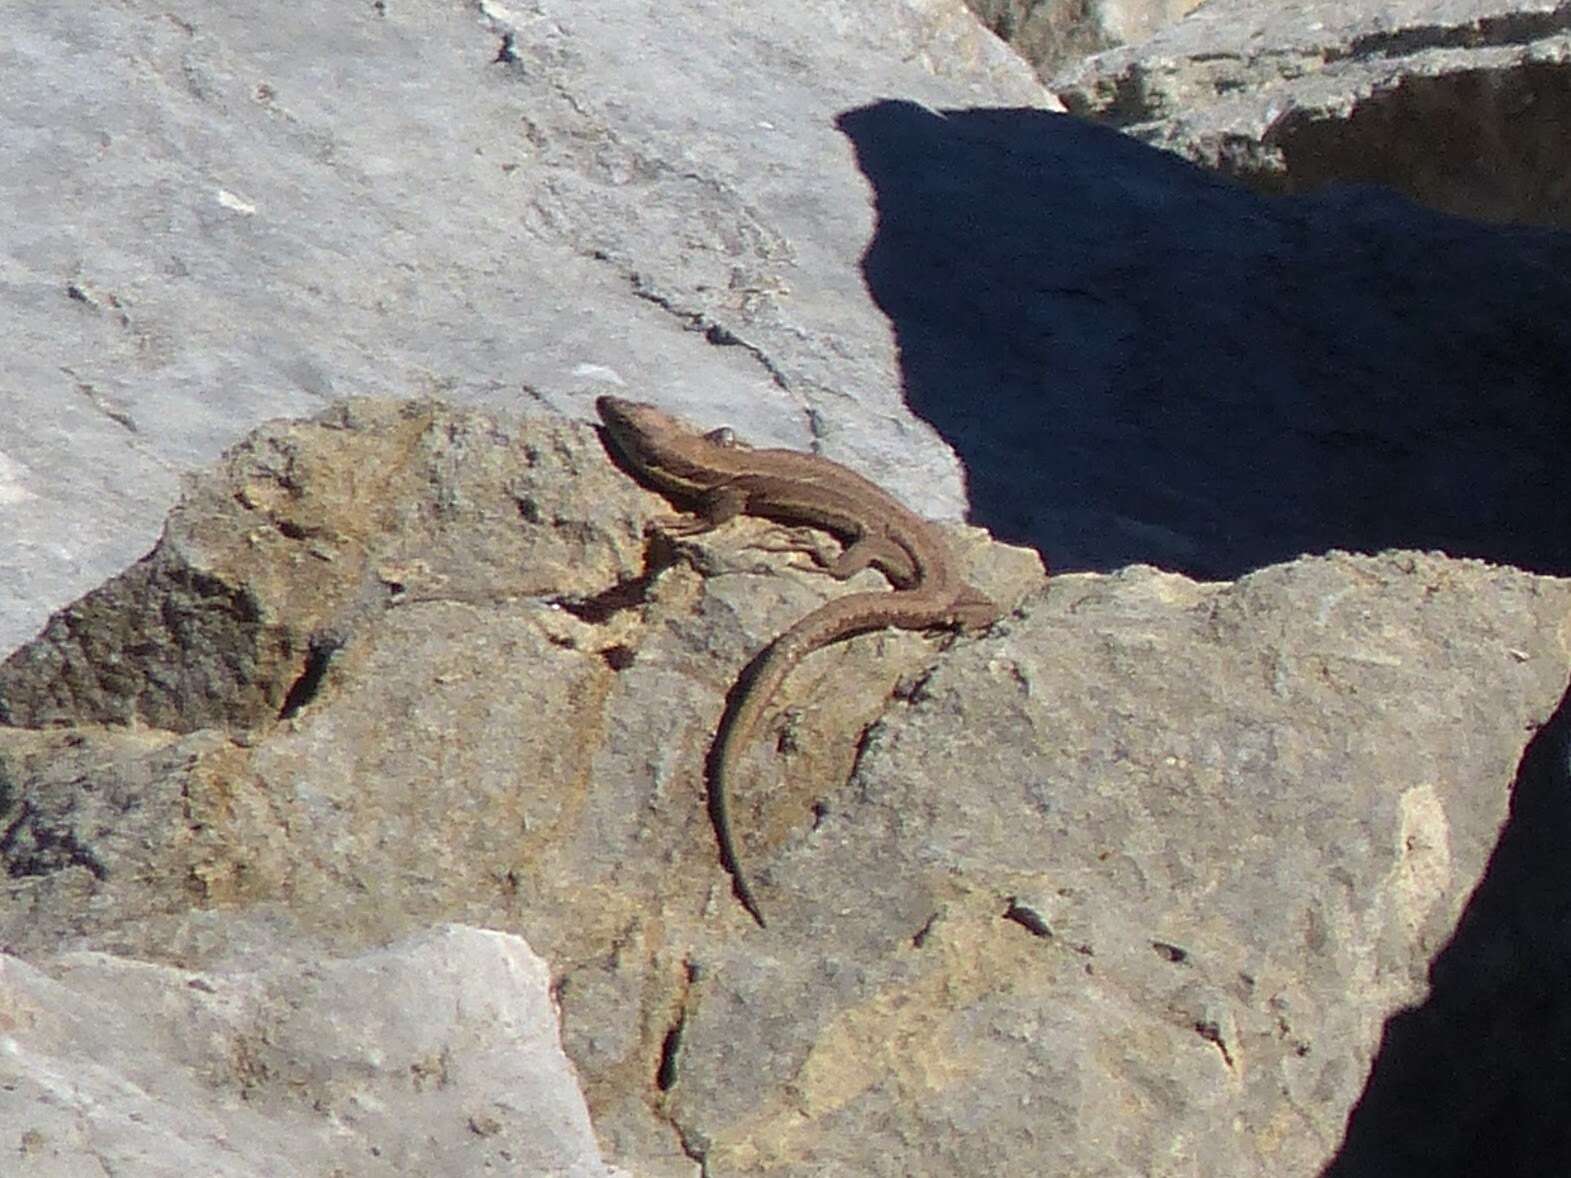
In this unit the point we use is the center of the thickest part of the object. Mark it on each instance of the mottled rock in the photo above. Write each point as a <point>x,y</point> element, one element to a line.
<point>1162,875</point>
<point>1152,857</point>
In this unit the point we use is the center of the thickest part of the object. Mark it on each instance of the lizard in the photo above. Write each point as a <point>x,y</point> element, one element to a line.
<point>721,478</point>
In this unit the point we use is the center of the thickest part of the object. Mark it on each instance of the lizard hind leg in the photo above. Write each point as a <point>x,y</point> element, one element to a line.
<point>974,611</point>
<point>809,542</point>
<point>716,506</point>
<point>846,560</point>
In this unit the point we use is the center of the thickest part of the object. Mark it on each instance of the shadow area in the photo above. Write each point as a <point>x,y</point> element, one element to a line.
<point>1137,360</point>
<point>1477,1080</point>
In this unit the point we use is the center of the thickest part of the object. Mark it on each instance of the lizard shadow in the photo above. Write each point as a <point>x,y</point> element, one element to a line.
<point>1139,361</point>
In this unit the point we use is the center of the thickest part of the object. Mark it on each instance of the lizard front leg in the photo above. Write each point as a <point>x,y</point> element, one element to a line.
<point>711,509</point>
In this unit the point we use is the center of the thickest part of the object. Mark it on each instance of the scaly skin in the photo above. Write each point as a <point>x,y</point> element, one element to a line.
<point>722,479</point>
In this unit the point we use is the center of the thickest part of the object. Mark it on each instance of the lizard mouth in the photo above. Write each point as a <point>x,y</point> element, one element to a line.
<point>634,417</point>
<point>653,444</point>
<point>629,423</point>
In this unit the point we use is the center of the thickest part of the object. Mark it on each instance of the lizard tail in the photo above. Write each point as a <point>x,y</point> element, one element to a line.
<point>757,684</point>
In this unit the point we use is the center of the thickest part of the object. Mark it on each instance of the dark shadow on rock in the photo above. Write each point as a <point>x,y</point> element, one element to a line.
<point>1139,361</point>
<point>1477,1080</point>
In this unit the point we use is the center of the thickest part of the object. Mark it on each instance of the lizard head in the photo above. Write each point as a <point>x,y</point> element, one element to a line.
<point>662,448</point>
<point>634,419</point>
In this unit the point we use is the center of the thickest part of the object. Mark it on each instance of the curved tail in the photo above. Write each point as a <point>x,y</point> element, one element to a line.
<point>855,613</point>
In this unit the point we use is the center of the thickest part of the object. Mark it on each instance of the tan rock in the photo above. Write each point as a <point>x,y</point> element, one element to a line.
<point>1150,858</point>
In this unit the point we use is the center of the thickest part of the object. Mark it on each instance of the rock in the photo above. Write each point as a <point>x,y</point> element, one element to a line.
<point>1151,857</point>
<point>1052,33</point>
<point>436,1055</point>
<point>1114,357</point>
<point>1461,104</point>
<point>264,571</point>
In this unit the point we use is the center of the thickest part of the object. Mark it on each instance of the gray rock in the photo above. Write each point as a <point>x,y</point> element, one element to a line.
<point>1151,858</point>
<point>220,214</point>
<point>437,1055</point>
<point>1459,103</point>
<point>1133,363</point>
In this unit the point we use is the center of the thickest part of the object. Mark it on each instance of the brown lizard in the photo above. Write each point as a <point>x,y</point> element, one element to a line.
<point>720,479</point>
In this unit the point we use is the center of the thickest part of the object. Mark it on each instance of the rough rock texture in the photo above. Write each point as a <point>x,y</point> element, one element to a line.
<point>1128,885</point>
<point>438,1055</point>
<point>1465,105</point>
